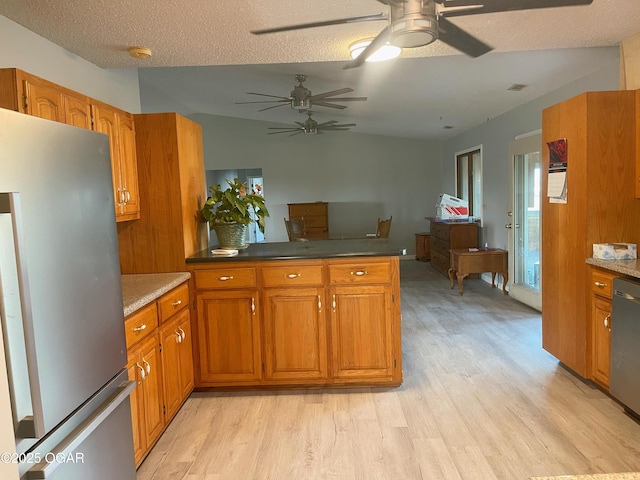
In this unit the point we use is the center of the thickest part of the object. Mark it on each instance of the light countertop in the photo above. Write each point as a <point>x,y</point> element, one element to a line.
<point>626,267</point>
<point>141,289</point>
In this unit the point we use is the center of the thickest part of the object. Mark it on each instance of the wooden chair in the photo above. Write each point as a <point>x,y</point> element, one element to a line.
<point>295,229</point>
<point>384,226</point>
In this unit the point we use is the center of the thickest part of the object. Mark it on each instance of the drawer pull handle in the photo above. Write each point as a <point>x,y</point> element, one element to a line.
<point>360,273</point>
<point>600,284</point>
<point>176,303</point>
<point>293,275</point>
<point>140,328</point>
<point>225,278</point>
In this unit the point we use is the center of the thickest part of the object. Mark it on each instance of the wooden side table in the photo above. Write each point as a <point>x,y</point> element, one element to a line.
<point>463,262</point>
<point>423,247</point>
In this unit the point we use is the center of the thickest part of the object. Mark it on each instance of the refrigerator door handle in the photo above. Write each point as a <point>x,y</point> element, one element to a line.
<point>64,449</point>
<point>30,426</point>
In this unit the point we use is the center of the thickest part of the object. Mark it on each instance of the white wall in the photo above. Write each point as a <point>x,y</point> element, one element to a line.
<point>27,51</point>
<point>363,177</point>
<point>495,136</point>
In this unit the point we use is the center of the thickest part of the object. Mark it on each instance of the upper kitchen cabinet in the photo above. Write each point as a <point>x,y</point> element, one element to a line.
<point>172,191</point>
<point>26,93</point>
<point>119,126</point>
<point>638,143</point>
<point>600,130</point>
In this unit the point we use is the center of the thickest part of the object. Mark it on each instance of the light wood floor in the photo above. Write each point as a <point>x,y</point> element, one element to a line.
<point>480,400</point>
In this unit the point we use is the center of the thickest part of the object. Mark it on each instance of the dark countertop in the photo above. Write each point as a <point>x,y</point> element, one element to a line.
<point>306,250</point>
<point>626,267</point>
<point>141,289</point>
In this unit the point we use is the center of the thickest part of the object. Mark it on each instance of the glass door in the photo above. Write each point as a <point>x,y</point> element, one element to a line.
<point>523,222</point>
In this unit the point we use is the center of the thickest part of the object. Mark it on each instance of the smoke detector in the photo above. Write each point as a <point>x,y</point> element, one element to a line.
<point>139,52</point>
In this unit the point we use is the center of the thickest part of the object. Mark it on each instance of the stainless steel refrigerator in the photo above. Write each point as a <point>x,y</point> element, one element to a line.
<point>61,303</point>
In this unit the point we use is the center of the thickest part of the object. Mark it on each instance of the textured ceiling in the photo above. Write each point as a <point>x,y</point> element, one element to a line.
<point>540,48</point>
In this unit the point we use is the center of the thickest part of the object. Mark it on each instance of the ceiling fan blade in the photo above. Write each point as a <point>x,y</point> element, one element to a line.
<point>375,44</point>
<point>330,105</point>
<point>335,129</point>
<point>330,94</point>
<point>341,125</point>
<point>339,21</point>
<point>349,99</point>
<point>263,101</point>
<point>325,124</point>
<point>283,99</point>
<point>461,40</point>
<point>275,106</point>
<point>493,6</point>
<point>285,131</point>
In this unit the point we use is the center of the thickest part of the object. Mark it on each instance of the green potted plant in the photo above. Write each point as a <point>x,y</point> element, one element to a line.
<point>229,212</point>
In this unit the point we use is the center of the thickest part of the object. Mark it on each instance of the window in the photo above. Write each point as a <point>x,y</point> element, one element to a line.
<point>469,180</point>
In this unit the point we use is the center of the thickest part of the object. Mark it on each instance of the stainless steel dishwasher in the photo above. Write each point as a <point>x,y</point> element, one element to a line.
<point>624,381</point>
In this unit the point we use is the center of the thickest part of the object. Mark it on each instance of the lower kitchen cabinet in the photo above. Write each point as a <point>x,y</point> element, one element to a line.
<point>295,333</point>
<point>147,399</point>
<point>324,322</point>
<point>601,323</point>
<point>362,333</point>
<point>228,337</point>
<point>160,361</point>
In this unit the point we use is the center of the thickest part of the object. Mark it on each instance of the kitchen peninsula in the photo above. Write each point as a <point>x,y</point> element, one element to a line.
<point>298,314</point>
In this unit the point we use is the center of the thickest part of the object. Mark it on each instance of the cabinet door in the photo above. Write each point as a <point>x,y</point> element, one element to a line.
<point>170,338</point>
<point>137,408</point>
<point>149,352</point>
<point>228,337</point>
<point>128,166</point>
<point>177,362</point>
<point>77,111</point>
<point>105,122</point>
<point>361,332</point>
<point>601,355</point>
<point>295,334</point>
<point>43,100</point>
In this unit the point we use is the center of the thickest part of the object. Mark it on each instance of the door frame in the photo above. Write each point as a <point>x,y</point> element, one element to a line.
<point>522,144</point>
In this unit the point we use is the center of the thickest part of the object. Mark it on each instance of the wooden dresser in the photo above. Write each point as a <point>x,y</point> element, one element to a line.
<point>315,215</point>
<point>448,235</point>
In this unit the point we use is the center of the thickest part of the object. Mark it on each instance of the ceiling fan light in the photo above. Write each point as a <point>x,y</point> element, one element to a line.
<point>386,52</point>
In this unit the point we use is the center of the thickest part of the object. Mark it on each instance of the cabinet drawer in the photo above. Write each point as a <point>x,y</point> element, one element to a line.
<point>440,231</point>
<point>141,324</point>
<point>311,221</point>
<point>292,275</point>
<point>354,273</point>
<point>602,283</point>
<point>225,278</point>
<point>439,261</point>
<point>304,209</point>
<point>440,246</point>
<point>173,301</point>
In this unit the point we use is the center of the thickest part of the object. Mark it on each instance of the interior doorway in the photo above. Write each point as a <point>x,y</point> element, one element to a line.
<point>523,220</point>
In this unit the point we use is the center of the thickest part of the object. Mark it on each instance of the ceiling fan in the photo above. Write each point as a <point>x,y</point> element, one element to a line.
<point>311,127</point>
<point>301,97</point>
<point>415,23</point>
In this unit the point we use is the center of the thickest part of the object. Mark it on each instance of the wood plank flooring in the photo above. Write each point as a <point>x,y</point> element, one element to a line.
<point>480,400</point>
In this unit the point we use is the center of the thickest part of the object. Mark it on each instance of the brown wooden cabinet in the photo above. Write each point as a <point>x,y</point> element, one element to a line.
<point>147,402</point>
<point>423,247</point>
<point>600,129</point>
<point>118,125</point>
<point>637,182</point>
<point>172,191</point>
<point>295,328</point>
<point>450,235</point>
<point>601,301</point>
<point>160,361</point>
<point>315,215</point>
<point>269,323</point>
<point>26,93</point>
